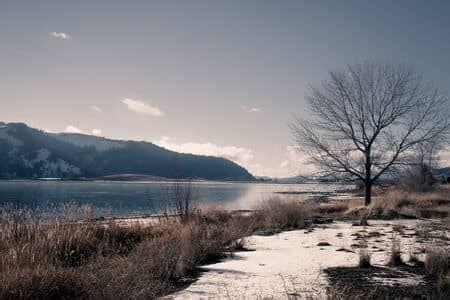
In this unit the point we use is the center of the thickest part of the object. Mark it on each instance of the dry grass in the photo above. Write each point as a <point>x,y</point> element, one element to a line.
<point>334,208</point>
<point>395,256</point>
<point>364,258</point>
<point>93,259</point>
<point>287,214</point>
<point>437,263</point>
<point>397,203</point>
<point>343,290</point>
<point>423,205</point>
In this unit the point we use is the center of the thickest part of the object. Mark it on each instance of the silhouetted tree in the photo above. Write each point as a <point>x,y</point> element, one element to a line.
<point>418,175</point>
<point>367,119</point>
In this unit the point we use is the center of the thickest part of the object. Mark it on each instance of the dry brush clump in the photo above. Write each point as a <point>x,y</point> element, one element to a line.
<point>437,263</point>
<point>395,256</point>
<point>364,256</point>
<point>396,202</point>
<point>283,214</point>
<point>334,209</point>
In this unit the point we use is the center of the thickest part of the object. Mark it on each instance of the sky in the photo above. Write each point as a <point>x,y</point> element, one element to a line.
<point>211,77</point>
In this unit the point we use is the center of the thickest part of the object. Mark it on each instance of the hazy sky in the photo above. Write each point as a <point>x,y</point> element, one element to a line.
<point>210,77</point>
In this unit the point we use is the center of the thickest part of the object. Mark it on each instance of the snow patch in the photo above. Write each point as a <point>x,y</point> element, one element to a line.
<point>4,135</point>
<point>81,140</point>
<point>292,262</point>
<point>50,168</point>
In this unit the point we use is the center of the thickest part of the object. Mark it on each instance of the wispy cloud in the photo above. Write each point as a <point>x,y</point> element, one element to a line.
<point>444,157</point>
<point>73,129</point>
<point>296,162</point>
<point>60,35</point>
<point>97,131</point>
<point>237,154</point>
<point>96,108</point>
<point>251,109</point>
<point>142,107</point>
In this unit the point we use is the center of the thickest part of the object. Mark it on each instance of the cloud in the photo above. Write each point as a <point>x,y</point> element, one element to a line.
<point>96,108</point>
<point>60,35</point>
<point>251,109</point>
<point>239,155</point>
<point>142,107</point>
<point>295,163</point>
<point>444,158</point>
<point>73,129</point>
<point>97,132</point>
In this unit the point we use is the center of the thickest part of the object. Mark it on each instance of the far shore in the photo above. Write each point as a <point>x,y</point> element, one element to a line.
<point>150,178</point>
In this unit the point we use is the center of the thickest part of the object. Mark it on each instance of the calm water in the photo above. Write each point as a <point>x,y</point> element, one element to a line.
<point>141,198</point>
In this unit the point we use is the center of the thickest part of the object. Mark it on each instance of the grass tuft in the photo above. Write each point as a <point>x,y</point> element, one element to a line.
<point>364,258</point>
<point>399,203</point>
<point>395,256</point>
<point>437,263</point>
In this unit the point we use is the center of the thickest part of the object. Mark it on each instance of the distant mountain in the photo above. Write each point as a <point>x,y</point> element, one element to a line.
<point>445,170</point>
<point>30,153</point>
<point>442,174</point>
<point>295,179</point>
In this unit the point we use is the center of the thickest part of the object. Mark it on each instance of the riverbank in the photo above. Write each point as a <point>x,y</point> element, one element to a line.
<point>134,259</point>
<point>105,259</point>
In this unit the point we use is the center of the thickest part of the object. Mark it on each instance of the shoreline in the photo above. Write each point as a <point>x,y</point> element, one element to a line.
<point>284,249</point>
<point>291,264</point>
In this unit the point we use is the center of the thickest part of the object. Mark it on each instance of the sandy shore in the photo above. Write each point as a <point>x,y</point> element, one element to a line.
<point>290,264</point>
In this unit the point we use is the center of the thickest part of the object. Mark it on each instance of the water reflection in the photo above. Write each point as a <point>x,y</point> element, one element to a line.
<point>142,198</point>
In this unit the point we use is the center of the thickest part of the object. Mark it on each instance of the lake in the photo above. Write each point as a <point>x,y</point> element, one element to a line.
<point>125,199</point>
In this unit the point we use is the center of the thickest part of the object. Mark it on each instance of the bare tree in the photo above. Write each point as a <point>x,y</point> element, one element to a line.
<point>178,200</point>
<point>367,118</point>
<point>418,174</point>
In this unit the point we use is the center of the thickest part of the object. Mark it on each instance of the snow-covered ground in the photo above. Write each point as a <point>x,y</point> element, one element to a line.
<point>290,264</point>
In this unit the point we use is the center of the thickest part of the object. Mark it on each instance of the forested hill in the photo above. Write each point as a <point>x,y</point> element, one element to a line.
<point>31,153</point>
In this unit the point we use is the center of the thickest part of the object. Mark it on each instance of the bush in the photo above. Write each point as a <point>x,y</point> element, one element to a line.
<point>287,214</point>
<point>395,257</point>
<point>436,263</point>
<point>397,202</point>
<point>364,258</point>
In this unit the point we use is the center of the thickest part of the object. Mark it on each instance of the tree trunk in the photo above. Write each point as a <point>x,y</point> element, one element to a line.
<point>368,179</point>
<point>368,192</point>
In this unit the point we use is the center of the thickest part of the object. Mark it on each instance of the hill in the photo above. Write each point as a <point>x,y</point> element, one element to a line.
<point>26,152</point>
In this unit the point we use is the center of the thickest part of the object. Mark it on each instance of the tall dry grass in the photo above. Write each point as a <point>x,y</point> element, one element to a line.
<point>62,258</point>
<point>284,214</point>
<point>396,202</point>
<point>437,262</point>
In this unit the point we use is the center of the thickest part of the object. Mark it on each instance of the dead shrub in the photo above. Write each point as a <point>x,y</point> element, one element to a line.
<point>180,200</point>
<point>395,256</point>
<point>333,208</point>
<point>364,258</point>
<point>437,263</point>
<point>399,203</point>
<point>277,214</point>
